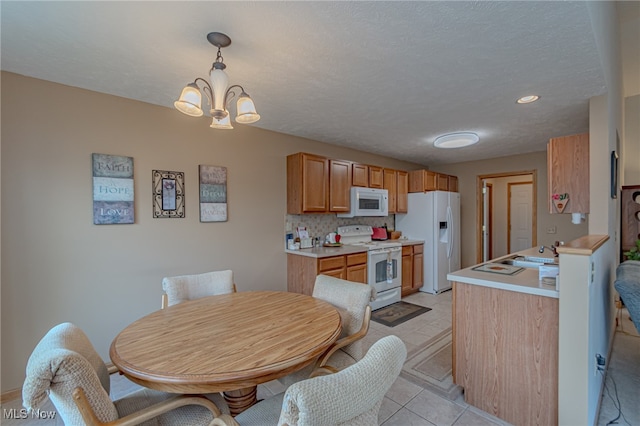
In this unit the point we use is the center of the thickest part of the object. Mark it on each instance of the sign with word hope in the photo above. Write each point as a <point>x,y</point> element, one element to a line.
<point>112,189</point>
<point>213,193</point>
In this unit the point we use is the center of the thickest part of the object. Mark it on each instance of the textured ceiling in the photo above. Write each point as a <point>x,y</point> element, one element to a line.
<point>382,77</point>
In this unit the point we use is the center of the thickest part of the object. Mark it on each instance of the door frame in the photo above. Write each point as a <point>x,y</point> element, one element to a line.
<point>509,185</point>
<point>534,215</point>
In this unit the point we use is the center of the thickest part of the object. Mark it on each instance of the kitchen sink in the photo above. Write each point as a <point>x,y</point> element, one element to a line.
<point>526,261</point>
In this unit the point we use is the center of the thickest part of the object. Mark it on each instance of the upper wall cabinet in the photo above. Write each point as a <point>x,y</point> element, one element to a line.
<point>390,183</point>
<point>568,173</point>
<point>426,180</point>
<point>317,184</point>
<point>375,177</point>
<point>339,186</point>
<point>359,175</point>
<point>402,191</point>
<point>307,183</point>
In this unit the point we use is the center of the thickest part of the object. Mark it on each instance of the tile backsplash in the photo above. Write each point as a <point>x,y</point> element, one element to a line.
<point>320,225</point>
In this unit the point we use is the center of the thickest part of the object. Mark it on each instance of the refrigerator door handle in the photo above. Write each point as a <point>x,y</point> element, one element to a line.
<point>449,232</point>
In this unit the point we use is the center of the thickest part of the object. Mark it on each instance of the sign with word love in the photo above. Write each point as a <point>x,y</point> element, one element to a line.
<point>112,189</point>
<point>213,194</point>
<point>560,201</point>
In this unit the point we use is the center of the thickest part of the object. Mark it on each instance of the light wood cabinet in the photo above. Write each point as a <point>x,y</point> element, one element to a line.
<point>360,175</point>
<point>568,172</point>
<point>390,183</point>
<point>317,184</point>
<point>427,180</point>
<point>357,267</point>
<point>307,184</point>
<point>412,268</point>
<point>443,182</point>
<point>339,186</point>
<point>506,357</point>
<point>453,183</point>
<point>422,180</point>
<point>418,267</point>
<point>302,270</point>
<point>402,189</point>
<point>375,177</point>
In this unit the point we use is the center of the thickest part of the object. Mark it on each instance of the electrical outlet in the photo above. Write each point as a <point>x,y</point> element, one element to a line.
<point>551,229</point>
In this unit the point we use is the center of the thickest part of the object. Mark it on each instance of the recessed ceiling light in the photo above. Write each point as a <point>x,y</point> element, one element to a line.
<point>528,99</point>
<point>456,140</point>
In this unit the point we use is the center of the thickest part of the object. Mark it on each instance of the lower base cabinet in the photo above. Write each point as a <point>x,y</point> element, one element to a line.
<point>505,353</point>
<point>302,270</point>
<point>412,268</point>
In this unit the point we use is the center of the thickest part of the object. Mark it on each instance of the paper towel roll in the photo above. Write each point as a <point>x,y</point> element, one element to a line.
<point>576,218</point>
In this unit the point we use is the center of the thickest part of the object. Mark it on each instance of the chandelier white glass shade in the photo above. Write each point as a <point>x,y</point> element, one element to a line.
<point>456,140</point>
<point>218,93</point>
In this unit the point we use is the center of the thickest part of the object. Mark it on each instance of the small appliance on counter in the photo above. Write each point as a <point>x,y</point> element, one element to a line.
<point>305,240</point>
<point>379,234</point>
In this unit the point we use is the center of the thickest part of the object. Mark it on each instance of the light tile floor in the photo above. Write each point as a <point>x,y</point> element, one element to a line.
<point>407,404</point>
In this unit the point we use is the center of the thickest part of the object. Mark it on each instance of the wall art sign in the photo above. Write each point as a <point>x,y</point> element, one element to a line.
<point>112,189</point>
<point>560,201</point>
<point>168,194</point>
<point>213,193</point>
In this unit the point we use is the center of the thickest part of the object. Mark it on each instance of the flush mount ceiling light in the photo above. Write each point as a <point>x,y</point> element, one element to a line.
<point>456,140</point>
<point>528,99</point>
<point>217,93</point>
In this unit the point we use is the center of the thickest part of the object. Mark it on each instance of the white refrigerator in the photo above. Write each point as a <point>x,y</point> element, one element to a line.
<point>435,218</point>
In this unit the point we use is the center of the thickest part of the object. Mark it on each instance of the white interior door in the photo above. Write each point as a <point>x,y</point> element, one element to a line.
<point>520,216</point>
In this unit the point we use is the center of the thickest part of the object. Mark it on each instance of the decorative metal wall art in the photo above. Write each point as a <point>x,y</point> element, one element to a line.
<point>112,189</point>
<point>168,194</point>
<point>213,193</point>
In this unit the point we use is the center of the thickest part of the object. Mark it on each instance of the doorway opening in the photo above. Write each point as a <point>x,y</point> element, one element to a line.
<point>507,218</point>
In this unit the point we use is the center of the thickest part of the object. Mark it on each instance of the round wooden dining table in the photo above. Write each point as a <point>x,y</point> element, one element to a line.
<point>228,343</point>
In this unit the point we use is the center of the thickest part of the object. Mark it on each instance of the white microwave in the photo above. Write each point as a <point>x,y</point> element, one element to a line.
<point>368,202</point>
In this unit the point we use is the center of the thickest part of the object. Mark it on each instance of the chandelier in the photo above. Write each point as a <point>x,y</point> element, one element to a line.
<point>218,93</point>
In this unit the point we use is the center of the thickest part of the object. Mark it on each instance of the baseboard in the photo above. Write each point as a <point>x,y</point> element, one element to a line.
<point>11,395</point>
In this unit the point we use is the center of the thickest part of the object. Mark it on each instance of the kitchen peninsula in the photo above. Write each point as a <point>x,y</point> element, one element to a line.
<point>505,334</point>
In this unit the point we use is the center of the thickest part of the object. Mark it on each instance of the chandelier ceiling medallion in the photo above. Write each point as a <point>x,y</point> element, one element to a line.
<point>218,93</point>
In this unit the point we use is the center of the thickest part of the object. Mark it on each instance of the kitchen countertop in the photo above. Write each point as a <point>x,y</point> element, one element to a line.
<point>524,281</point>
<point>408,242</point>
<point>319,252</point>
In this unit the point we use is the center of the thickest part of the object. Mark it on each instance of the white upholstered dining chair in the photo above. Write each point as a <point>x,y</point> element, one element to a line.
<point>351,299</point>
<point>65,367</point>
<point>349,397</point>
<point>188,287</point>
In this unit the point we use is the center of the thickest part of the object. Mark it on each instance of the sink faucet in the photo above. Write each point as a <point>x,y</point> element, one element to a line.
<point>550,248</point>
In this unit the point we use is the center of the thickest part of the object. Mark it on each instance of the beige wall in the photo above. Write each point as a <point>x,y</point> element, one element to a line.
<point>631,145</point>
<point>57,266</point>
<point>467,174</point>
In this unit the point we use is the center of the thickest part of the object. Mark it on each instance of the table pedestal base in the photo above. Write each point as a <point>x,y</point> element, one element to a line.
<point>240,399</point>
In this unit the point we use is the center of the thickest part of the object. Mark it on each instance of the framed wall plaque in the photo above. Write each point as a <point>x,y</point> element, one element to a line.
<point>112,189</point>
<point>168,194</point>
<point>213,193</point>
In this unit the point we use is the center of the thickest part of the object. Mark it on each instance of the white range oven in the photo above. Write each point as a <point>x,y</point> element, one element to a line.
<point>384,263</point>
